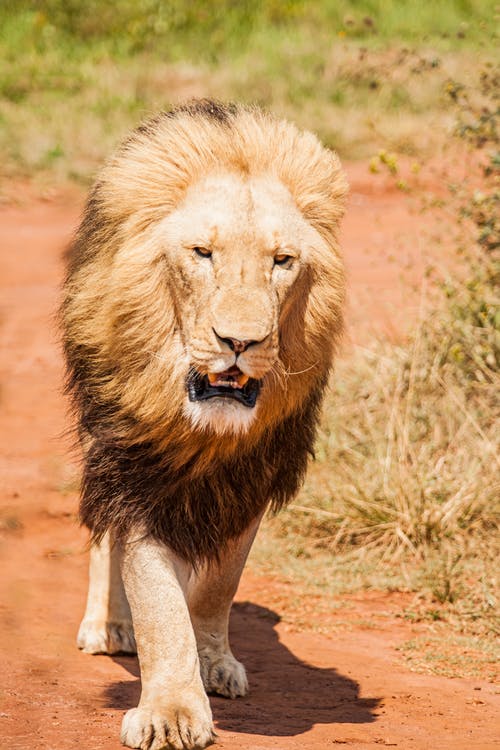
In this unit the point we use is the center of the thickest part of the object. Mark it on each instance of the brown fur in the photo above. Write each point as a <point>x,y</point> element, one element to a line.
<point>146,466</point>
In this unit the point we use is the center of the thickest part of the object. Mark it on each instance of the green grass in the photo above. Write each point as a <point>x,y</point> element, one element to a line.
<point>211,29</point>
<point>75,77</point>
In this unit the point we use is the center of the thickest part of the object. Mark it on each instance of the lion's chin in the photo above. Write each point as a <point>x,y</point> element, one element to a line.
<point>220,415</point>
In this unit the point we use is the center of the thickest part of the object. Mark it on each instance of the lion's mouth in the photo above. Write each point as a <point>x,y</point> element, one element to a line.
<point>232,383</point>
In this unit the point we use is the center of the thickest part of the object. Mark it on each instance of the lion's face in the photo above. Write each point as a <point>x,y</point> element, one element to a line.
<point>206,290</point>
<point>234,249</point>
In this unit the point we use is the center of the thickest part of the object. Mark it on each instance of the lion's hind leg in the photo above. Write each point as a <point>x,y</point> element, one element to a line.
<point>210,595</point>
<point>106,627</point>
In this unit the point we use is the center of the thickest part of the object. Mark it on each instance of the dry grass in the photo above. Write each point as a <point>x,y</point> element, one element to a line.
<point>462,656</point>
<point>405,489</point>
<point>403,496</point>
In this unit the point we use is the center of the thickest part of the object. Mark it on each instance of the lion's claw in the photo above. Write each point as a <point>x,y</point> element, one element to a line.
<point>112,637</point>
<point>175,728</point>
<point>223,674</point>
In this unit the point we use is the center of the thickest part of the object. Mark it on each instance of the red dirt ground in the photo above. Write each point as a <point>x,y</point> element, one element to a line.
<point>308,691</point>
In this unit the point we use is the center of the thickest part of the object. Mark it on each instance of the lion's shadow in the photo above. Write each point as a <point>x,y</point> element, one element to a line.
<point>287,696</point>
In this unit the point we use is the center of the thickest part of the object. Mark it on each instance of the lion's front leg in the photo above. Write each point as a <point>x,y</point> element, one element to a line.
<point>210,595</point>
<point>106,627</point>
<point>173,711</point>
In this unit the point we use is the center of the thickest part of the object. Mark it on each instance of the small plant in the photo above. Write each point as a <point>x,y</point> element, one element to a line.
<point>384,160</point>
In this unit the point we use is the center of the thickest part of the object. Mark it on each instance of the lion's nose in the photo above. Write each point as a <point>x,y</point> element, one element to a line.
<point>237,345</point>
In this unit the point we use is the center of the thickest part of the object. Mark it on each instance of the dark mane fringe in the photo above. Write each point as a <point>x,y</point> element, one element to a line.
<point>126,489</point>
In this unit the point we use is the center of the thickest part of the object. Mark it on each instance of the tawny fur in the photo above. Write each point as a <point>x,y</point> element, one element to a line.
<point>147,464</point>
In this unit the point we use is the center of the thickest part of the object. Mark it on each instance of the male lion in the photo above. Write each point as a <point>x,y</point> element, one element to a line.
<point>202,306</point>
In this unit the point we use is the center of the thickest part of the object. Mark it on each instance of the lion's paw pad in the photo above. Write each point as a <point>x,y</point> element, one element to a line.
<point>223,675</point>
<point>101,637</point>
<point>173,729</point>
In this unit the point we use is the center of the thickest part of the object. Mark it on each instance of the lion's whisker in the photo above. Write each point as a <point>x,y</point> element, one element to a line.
<point>301,372</point>
<point>277,372</point>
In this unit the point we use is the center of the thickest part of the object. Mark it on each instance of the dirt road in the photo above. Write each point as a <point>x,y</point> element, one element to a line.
<point>308,691</point>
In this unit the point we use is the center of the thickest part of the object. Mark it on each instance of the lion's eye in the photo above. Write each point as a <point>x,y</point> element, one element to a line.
<point>203,252</point>
<point>282,259</point>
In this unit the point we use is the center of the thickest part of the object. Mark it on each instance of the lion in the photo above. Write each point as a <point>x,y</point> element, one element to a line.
<point>202,308</point>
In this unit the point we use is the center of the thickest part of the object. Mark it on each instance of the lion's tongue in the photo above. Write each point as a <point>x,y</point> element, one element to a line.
<point>233,378</point>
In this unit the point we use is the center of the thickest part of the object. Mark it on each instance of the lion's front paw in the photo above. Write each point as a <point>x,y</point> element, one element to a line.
<point>223,674</point>
<point>101,637</point>
<point>175,727</point>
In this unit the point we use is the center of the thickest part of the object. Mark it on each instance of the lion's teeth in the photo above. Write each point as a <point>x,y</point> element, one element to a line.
<point>234,381</point>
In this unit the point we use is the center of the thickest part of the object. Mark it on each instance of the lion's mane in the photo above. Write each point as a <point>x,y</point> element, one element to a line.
<point>146,467</point>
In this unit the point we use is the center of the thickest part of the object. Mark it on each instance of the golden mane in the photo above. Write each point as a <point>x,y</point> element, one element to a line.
<point>145,464</point>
